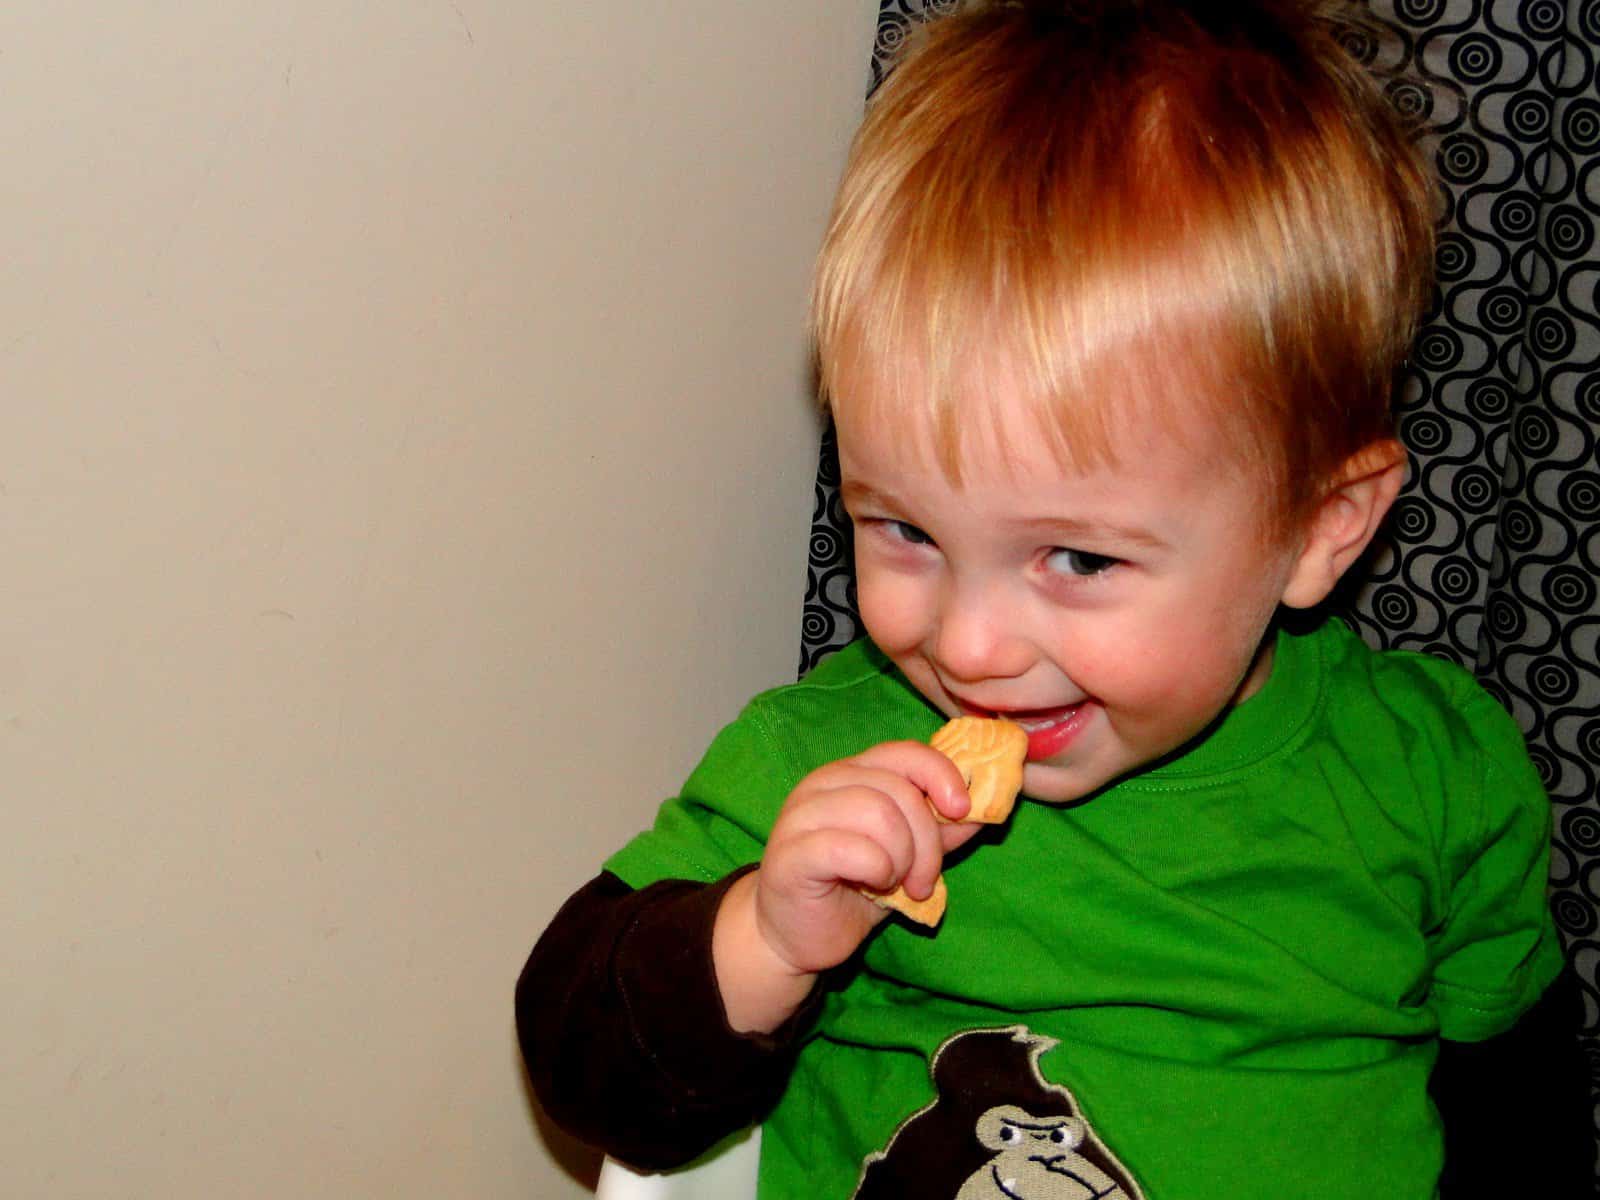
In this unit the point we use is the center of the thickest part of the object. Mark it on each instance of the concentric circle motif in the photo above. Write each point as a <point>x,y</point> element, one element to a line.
<point>1462,158</point>
<point>1426,433</point>
<point>1358,45</point>
<point>1580,126</point>
<point>1475,58</point>
<point>1454,579</point>
<point>1513,215</point>
<point>1501,309</point>
<point>1589,740</point>
<point>1419,12</point>
<point>1489,399</point>
<point>1570,232</point>
<point>1582,828</point>
<point>1519,526</point>
<point>1569,590</point>
<point>1475,489</point>
<point>1587,398</point>
<point>1529,114</point>
<point>1537,434</point>
<point>1507,620</point>
<point>1580,496</point>
<point>1554,680</point>
<point>1576,916</point>
<point>1455,257</point>
<point>1394,605</point>
<point>1413,101</point>
<point>1541,18</point>
<point>1412,519</point>
<point>1552,334</point>
<point>1437,349</point>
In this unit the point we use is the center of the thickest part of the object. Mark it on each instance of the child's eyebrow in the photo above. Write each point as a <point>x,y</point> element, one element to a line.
<point>854,492</point>
<point>1068,530</point>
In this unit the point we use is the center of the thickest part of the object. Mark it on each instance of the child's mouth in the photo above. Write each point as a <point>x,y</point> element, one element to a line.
<point>1049,730</point>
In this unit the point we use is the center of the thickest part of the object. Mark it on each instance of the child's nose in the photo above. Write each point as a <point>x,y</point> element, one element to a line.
<point>978,637</point>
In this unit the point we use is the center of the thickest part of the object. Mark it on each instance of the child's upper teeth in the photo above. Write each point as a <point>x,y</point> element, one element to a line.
<point>1040,722</point>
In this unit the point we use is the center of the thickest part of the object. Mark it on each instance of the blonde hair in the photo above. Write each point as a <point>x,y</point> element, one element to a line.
<point>1118,201</point>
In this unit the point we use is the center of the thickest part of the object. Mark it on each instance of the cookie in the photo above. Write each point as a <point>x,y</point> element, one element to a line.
<point>990,755</point>
<point>924,912</point>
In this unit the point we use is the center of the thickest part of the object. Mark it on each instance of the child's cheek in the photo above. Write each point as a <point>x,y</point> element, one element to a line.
<point>1192,690</point>
<point>1158,681</point>
<point>892,611</point>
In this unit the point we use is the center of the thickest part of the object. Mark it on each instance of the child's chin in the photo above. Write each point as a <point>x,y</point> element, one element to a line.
<point>1049,783</point>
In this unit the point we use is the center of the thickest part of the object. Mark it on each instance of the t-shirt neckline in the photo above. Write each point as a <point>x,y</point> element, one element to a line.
<point>1256,729</point>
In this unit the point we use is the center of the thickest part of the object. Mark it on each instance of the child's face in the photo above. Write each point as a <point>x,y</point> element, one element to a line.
<point>1113,613</point>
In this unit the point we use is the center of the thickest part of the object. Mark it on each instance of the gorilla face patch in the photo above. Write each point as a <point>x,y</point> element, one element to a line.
<point>1036,1157</point>
<point>996,1131</point>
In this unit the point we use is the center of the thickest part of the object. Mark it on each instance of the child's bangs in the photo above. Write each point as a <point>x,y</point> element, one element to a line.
<point>1080,369</point>
<point>974,296</point>
<point>1121,222</point>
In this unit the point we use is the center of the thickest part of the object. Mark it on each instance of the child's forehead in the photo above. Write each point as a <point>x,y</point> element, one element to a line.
<point>986,416</point>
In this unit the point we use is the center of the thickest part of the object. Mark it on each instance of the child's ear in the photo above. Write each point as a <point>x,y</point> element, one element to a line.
<point>1345,521</point>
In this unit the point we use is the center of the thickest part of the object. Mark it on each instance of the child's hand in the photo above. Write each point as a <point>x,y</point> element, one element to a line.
<point>862,821</point>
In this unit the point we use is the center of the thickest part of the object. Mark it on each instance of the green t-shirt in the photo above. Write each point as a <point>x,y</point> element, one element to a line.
<point>1231,969</point>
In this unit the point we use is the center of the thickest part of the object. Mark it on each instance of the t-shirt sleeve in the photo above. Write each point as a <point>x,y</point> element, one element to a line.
<point>721,819</point>
<point>1496,949</point>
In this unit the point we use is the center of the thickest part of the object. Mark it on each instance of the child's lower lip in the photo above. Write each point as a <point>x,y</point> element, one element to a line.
<point>1049,736</point>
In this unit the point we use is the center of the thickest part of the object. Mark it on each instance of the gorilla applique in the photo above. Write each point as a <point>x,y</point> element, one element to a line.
<point>996,1131</point>
<point>1036,1158</point>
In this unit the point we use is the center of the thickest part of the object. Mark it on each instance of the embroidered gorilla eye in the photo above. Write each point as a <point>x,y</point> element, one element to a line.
<point>1058,1135</point>
<point>1010,1134</point>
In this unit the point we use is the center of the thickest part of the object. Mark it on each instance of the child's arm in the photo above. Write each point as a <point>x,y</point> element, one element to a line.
<point>623,1032</point>
<point>655,1022</point>
<point>1518,1116</point>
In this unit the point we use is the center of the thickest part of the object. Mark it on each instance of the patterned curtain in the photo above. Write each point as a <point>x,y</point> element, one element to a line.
<point>1493,550</point>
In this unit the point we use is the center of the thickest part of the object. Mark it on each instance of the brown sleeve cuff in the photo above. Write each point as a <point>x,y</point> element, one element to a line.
<point>623,1029</point>
<point>668,985</point>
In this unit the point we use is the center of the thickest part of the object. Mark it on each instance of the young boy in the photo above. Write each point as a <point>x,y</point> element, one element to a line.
<point>1108,316</point>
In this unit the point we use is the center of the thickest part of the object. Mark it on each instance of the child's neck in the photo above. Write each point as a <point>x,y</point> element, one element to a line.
<point>1260,670</point>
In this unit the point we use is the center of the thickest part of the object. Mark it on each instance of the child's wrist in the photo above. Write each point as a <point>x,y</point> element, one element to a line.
<point>760,988</point>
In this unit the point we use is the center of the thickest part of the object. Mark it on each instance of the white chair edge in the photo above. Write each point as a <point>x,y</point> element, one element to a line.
<point>725,1172</point>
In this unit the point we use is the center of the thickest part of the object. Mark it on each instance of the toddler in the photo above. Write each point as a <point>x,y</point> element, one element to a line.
<point>1108,315</point>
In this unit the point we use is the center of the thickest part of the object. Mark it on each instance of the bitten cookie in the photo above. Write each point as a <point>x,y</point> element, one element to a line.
<point>990,755</point>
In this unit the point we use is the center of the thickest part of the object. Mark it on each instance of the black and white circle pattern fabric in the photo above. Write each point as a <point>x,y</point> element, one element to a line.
<point>1493,552</point>
<point>1494,549</point>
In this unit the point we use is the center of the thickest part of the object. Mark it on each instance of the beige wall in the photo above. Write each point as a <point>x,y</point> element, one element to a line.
<point>404,468</point>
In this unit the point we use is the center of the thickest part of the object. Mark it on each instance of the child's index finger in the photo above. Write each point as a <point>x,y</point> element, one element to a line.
<point>932,773</point>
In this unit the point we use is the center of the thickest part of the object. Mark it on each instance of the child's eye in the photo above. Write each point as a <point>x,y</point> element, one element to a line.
<point>903,532</point>
<point>1080,563</point>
